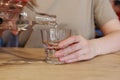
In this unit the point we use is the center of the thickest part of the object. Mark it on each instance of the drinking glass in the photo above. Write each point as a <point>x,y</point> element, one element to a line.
<point>50,39</point>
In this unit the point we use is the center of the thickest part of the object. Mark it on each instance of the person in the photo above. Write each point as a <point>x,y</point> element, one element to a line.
<point>116,6</point>
<point>9,38</point>
<point>81,16</point>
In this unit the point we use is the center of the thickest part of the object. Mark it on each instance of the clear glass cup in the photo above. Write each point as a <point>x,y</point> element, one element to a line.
<point>50,39</point>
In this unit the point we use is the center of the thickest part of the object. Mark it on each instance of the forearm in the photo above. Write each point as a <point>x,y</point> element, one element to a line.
<point>107,44</point>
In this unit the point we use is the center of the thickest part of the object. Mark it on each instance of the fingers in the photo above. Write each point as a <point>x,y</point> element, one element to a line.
<point>78,56</point>
<point>68,50</point>
<point>69,41</point>
<point>72,45</point>
<point>74,49</point>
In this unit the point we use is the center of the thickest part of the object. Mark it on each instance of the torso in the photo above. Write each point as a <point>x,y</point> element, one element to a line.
<point>76,15</point>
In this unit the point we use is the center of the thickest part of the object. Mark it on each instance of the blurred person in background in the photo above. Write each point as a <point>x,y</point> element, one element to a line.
<point>9,17</point>
<point>116,7</point>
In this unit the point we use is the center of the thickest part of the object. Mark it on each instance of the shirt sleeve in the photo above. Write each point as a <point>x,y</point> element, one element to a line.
<point>103,12</point>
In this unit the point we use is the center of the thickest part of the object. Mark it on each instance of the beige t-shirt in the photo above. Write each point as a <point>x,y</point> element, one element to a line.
<point>78,15</point>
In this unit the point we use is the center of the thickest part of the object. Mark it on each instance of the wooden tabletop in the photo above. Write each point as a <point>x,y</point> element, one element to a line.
<point>105,67</point>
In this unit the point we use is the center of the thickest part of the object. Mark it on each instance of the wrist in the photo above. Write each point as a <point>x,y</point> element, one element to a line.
<point>95,48</point>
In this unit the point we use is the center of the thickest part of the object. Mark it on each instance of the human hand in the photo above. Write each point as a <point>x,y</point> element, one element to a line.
<point>73,49</point>
<point>13,28</point>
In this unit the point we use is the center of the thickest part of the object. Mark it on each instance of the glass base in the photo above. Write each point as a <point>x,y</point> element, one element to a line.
<point>51,58</point>
<point>54,61</point>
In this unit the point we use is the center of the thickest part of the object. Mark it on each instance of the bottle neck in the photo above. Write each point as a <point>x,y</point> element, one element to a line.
<point>45,19</point>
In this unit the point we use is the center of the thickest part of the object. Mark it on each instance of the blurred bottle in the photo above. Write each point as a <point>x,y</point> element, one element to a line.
<point>9,13</point>
<point>13,18</point>
<point>42,18</point>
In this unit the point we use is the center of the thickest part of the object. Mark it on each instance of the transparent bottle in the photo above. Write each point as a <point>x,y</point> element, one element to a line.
<point>9,12</point>
<point>46,19</point>
<point>42,18</point>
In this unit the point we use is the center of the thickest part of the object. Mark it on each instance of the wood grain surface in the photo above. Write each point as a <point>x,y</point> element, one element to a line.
<point>105,67</point>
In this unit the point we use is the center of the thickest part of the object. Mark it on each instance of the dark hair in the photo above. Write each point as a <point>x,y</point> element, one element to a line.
<point>117,2</point>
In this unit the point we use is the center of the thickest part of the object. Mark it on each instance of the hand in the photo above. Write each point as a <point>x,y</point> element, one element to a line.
<point>13,28</point>
<point>15,32</point>
<point>73,49</point>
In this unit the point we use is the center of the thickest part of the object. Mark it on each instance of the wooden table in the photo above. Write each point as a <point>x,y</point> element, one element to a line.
<point>105,67</point>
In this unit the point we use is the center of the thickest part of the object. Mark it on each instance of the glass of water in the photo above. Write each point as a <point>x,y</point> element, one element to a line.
<point>50,39</point>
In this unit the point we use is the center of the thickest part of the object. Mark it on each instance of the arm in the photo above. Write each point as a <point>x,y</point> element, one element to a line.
<point>110,42</point>
<point>77,48</point>
<point>82,49</point>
